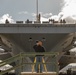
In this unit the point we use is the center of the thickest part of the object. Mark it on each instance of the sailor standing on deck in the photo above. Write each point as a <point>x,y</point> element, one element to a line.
<point>39,48</point>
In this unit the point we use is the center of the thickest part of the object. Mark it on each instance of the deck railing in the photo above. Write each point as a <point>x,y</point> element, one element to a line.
<point>50,58</point>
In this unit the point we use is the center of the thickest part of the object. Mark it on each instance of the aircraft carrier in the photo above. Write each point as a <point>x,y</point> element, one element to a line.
<point>17,41</point>
<point>20,37</point>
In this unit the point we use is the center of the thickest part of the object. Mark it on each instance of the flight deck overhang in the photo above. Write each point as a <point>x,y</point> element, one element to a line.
<point>37,28</point>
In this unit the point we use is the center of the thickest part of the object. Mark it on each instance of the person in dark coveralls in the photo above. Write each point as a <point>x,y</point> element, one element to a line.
<point>39,48</point>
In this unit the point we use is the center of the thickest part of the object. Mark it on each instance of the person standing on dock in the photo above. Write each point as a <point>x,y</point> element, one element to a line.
<point>39,48</point>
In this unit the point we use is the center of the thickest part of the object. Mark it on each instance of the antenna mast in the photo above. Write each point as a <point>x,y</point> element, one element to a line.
<point>37,10</point>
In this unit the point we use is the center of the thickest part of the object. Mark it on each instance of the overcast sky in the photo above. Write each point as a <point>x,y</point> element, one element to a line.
<point>23,9</point>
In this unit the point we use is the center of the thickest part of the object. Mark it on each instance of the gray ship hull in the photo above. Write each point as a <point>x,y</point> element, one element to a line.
<point>21,38</point>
